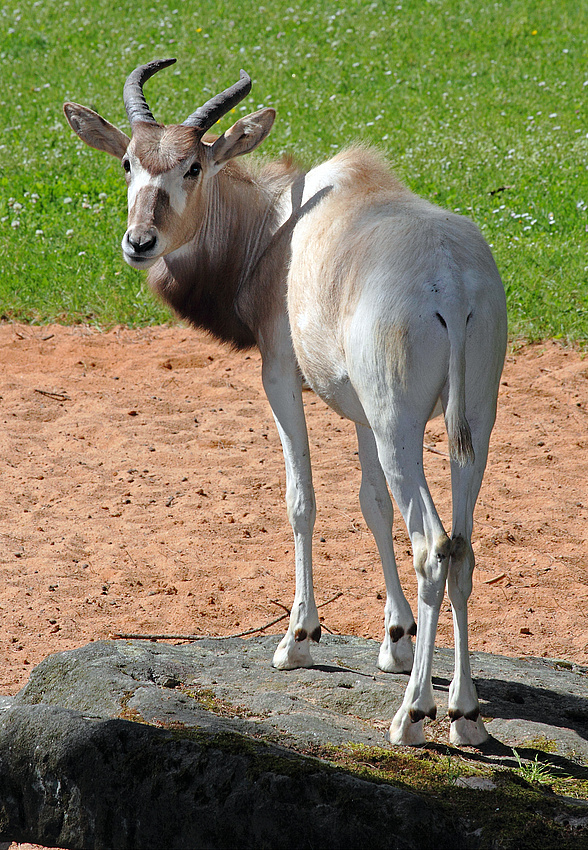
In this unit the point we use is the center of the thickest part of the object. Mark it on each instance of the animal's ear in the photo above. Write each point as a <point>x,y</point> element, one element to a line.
<point>244,136</point>
<point>95,131</point>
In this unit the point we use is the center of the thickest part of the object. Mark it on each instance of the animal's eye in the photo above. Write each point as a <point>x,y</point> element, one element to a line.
<point>194,170</point>
<point>126,165</point>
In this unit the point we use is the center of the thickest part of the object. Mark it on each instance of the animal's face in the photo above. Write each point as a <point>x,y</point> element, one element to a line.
<point>166,169</point>
<point>170,171</point>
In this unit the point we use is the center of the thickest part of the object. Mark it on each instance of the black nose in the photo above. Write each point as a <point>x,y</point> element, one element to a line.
<point>141,242</point>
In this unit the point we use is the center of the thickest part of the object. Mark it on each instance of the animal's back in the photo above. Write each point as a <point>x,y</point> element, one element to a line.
<point>378,268</point>
<point>368,225</point>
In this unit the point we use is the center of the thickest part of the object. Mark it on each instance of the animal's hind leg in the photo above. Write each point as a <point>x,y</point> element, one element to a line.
<point>396,654</point>
<point>400,449</point>
<point>467,727</point>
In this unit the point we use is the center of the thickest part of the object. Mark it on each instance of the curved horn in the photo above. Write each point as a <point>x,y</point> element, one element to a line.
<point>207,115</point>
<point>133,97</point>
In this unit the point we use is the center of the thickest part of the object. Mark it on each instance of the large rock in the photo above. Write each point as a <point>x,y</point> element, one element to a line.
<point>344,697</point>
<point>140,745</point>
<point>70,781</point>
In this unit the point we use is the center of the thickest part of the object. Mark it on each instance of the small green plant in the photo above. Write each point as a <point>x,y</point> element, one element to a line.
<point>453,770</point>
<point>533,771</point>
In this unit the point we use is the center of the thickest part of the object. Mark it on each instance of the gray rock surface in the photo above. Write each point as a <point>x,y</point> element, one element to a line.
<point>134,744</point>
<point>344,697</point>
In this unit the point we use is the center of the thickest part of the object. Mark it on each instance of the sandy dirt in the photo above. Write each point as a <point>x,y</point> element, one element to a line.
<point>143,485</point>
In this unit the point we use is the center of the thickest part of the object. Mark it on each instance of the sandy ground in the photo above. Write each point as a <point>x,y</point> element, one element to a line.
<point>143,484</point>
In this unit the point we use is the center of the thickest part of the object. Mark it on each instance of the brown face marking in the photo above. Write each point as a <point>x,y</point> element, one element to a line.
<point>151,207</point>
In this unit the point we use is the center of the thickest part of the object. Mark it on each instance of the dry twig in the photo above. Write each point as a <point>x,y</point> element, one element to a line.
<point>125,636</point>
<point>495,579</point>
<point>56,396</point>
<point>435,451</point>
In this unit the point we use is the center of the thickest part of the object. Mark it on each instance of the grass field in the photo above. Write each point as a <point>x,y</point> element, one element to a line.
<point>480,106</point>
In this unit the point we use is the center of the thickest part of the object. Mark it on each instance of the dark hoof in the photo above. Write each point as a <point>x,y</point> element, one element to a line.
<point>455,714</point>
<point>396,632</point>
<point>416,714</point>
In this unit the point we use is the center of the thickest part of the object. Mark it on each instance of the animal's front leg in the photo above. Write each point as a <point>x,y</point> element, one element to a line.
<point>283,387</point>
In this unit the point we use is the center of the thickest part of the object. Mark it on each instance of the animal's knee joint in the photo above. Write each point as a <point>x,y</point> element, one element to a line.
<point>459,547</point>
<point>443,548</point>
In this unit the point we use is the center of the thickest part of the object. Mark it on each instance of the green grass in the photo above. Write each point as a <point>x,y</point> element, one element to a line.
<point>480,106</point>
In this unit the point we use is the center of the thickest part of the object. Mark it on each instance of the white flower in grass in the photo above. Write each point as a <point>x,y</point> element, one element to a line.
<point>69,233</point>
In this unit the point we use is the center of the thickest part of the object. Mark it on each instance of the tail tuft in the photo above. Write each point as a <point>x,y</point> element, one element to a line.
<point>461,449</point>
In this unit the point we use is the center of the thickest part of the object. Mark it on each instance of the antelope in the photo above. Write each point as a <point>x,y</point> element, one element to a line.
<point>392,310</point>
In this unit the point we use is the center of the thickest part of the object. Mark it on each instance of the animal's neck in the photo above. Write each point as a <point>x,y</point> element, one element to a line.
<point>204,281</point>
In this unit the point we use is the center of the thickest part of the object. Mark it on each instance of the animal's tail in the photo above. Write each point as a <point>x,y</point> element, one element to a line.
<point>461,449</point>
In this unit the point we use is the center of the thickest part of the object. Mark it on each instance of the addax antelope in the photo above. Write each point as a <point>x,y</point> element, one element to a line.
<point>391,308</point>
